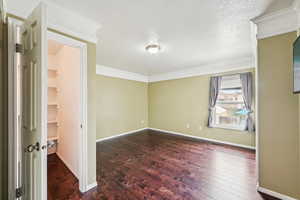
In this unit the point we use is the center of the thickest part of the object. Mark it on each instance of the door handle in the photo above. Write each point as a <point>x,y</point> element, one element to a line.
<point>33,147</point>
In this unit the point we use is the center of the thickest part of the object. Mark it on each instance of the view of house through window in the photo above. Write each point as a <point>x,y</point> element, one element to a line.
<point>230,111</point>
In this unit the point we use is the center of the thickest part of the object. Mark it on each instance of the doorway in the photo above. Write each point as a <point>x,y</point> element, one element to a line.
<point>66,107</point>
<point>57,103</point>
<point>63,125</point>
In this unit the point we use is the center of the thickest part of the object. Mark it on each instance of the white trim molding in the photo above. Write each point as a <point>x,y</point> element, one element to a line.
<point>203,138</point>
<point>60,19</point>
<point>91,186</point>
<point>214,68</point>
<point>220,67</point>
<point>278,22</point>
<point>121,134</point>
<point>112,72</point>
<point>274,194</point>
<point>176,133</point>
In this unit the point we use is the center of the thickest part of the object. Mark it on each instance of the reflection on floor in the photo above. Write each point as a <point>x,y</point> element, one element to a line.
<point>148,165</point>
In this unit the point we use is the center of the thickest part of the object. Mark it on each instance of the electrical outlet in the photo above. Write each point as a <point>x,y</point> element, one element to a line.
<point>200,128</point>
<point>187,125</point>
<point>142,121</point>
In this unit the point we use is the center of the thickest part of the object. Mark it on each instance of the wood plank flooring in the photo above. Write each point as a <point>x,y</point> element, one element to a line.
<point>153,166</point>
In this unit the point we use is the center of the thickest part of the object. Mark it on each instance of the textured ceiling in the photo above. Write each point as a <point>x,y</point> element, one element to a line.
<point>192,32</point>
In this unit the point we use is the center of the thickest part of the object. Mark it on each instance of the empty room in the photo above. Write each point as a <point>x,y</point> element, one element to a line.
<point>150,100</point>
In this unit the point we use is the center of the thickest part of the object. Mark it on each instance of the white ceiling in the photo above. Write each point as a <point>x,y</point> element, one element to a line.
<point>192,33</point>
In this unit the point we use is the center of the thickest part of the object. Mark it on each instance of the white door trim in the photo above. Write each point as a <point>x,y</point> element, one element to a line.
<point>12,112</point>
<point>255,62</point>
<point>83,183</point>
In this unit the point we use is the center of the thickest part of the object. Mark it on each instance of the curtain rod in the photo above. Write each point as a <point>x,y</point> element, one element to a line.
<point>234,74</point>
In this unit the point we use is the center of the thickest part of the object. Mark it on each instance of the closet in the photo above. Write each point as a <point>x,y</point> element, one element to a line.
<point>64,103</point>
<point>53,105</point>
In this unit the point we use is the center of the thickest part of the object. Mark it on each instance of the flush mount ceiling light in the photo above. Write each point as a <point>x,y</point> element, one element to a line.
<point>153,48</point>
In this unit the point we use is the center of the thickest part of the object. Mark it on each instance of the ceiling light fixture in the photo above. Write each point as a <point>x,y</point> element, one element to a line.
<point>153,48</point>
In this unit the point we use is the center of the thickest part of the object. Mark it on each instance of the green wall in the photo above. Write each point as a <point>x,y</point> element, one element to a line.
<point>175,103</point>
<point>278,116</point>
<point>122,106</point>
<point>91,113</point>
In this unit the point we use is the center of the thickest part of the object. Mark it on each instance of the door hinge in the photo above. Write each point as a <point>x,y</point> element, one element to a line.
<point>19,192</point>
<point>19,48</point>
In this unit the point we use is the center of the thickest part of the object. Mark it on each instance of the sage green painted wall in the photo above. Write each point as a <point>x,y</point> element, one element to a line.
<point>122,105</point>
<point>91,113</point>
<point>278,116</point>
<point>175,103</point>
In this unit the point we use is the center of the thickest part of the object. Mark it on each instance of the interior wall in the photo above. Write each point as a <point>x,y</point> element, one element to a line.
<point>278,114</point>
<point>122,106</point>
<point>68,84</point>
<point>4,113</point>
<point>52,60</point>
<point>181,105</point>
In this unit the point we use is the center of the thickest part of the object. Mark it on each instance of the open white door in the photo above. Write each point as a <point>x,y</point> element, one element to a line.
<point>14,114</point>
<point>34,113</point>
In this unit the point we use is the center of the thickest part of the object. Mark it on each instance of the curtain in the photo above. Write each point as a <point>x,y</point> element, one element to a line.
<point>247,88</point>
<point>215,85</point>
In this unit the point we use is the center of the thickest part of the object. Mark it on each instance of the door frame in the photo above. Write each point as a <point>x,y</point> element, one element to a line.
<point>82,157</point>
<point>13,137</point>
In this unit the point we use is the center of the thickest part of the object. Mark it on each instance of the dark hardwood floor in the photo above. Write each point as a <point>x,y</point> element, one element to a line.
<point>156,166</point>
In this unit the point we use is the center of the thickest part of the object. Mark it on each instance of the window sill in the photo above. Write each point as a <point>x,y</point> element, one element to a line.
<point>230,128</point>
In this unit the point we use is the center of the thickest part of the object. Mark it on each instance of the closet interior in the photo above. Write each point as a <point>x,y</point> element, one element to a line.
<point>64,103</point>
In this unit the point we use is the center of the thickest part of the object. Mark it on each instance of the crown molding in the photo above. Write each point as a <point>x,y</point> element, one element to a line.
<point>220,67</point>
<point>215,68</point>
<point>117,73</point>
<point>61,20</point>
<point>279,22</point>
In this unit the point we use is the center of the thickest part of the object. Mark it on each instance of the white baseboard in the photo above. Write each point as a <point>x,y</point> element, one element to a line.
<point>274,194</point>
<point>91,186</point>
<point>203,138</point>
<point>121,134</point>
<point>177,133</point>
<point>67,164</point>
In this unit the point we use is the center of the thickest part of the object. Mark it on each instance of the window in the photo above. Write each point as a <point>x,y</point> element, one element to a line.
<point>230,111</point>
